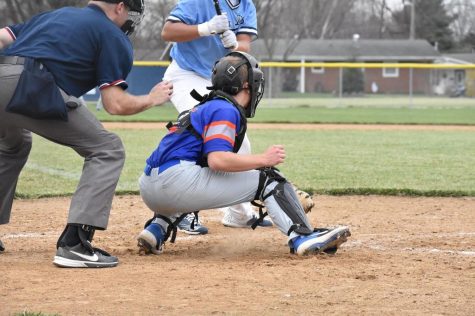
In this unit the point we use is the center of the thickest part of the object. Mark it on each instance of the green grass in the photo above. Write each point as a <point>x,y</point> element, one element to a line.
<point>424,163</point>
<point>369,100</point>
<point>301,113</point>
<point>464,116</point>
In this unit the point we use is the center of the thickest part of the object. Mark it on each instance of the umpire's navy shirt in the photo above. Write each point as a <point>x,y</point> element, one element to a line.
<point>81,47</point>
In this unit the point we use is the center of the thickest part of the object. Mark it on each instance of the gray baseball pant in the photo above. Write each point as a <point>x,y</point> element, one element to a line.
<point>188,187</point>
<point>103,154</point>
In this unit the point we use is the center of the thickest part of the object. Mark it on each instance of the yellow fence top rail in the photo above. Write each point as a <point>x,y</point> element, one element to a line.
<point>335,65</point>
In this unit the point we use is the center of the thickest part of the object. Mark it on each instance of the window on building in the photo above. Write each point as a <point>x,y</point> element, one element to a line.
<point>459,76</point>
<point>390,72</point>
<point>318,70</point>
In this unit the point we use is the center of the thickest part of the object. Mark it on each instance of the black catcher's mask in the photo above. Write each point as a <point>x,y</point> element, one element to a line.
<point>136,14</point>
<point>226,77</point>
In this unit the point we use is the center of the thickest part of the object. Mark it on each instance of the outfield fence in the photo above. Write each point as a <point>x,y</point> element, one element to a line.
<point>347,84</point>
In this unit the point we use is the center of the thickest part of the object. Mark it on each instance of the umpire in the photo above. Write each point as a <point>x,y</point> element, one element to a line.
<point>46,64</point>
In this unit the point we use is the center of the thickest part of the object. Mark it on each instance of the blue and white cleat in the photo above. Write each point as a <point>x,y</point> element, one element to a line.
<point>326,241</point>
<point>150,240</point>
<point>192,225</point>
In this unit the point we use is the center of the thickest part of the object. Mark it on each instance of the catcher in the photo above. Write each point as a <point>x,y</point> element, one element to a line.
<point>196,165</point>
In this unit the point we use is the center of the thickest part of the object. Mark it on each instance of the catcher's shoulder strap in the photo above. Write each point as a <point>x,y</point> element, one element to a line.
<point>184,118</point>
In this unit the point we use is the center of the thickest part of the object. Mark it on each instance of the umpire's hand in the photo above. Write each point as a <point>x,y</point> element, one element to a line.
<point>161,93</point>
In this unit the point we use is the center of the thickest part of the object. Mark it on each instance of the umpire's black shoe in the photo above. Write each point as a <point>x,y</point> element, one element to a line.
<point>80,257</point>
<point>2,247</point>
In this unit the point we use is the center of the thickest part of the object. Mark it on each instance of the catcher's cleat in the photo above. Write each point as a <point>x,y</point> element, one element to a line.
<point>230,221</point>
<point>321,241</point>
<point>192,226</point>
<point>2,247</point>
<point>80,257</point>
<point>150,240</point>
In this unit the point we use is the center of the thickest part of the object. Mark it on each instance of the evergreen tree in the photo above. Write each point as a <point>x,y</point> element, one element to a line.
<point>469,41</point>
<point>432,23</point>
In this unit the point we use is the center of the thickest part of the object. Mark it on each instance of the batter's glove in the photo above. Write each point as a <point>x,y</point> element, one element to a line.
<point>229,40</point>
<point>217,25</point>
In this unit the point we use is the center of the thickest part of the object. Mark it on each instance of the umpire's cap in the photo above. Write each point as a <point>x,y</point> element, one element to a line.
<point>227,78</point>
<point>133,5</point>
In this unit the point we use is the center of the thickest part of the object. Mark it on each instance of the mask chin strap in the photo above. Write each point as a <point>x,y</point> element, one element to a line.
<point>128,27</point>
<point>134,19</point>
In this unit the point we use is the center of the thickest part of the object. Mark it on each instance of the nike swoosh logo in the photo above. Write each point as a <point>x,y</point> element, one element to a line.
<point>90,258</point>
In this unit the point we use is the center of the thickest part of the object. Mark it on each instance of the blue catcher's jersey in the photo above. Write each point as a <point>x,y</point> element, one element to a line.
<point>81,47</point>
<point>217,121</point>
<point>200,54</point>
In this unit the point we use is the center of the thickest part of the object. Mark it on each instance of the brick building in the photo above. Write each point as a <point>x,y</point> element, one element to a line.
<point>376,80</point>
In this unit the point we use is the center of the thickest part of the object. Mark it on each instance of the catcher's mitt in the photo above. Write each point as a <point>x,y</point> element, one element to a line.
<point>305,200</point>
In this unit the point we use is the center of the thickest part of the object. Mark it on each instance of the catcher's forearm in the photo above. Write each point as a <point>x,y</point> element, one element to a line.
<point>232,162</point>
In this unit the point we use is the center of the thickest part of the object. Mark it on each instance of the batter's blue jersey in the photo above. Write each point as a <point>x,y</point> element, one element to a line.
<point>200,54</point>
<point>81,47</point>
<point>217,121</point>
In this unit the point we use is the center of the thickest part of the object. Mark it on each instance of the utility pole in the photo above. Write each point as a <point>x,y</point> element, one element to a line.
<point>412,32</point>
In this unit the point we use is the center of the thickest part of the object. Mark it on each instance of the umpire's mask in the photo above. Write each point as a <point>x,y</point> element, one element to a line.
<point>227,78</point>
<point>136,13</point>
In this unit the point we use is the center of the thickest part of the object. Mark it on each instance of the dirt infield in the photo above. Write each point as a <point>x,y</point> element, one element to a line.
<point>411,256</point>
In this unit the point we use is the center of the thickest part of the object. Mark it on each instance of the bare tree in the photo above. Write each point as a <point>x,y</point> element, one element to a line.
<point>465,21</point>
<point>148,35</point>
<point>380,11</point>
<point>328,18</point>
<point>17,11</point>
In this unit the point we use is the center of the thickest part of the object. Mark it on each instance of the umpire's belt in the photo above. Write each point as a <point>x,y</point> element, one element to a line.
<point>161,168</point>
<point>12,60</point>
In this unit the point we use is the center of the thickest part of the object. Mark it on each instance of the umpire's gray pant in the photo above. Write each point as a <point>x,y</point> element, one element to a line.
<point>103,154</point>
<point>188,187</point>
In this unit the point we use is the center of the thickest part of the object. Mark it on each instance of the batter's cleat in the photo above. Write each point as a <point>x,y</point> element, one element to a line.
<point>192,226</point>
<point>80,257</point>
<point>231,221</point>
<point>150,240</point>
<point>2,247</point>
<point>321,241</point>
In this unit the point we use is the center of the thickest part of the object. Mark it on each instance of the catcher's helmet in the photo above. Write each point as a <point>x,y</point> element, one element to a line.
<point>227,78</point>
<point>136,13</point>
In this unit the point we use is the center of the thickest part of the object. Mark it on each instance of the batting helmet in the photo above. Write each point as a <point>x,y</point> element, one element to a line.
<point>136,13</point>
<point>227,78</point>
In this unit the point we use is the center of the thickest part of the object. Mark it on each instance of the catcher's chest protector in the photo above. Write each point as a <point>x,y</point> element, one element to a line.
<point>184,120</point>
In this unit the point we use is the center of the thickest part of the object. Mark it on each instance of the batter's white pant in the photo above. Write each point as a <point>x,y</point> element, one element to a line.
<point>187,187</point>
<point>183,82</point>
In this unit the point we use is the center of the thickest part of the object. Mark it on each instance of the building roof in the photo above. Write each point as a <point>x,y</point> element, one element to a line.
<point>467,58</point>
<point>349,50</point>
